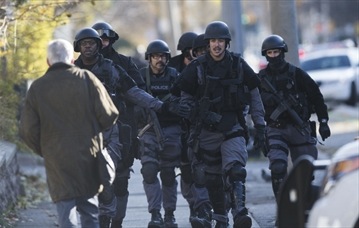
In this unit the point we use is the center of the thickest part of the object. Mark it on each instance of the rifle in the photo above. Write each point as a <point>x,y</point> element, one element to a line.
<point>156,127</point>
<point>284,105</point>
<point>203,113</point>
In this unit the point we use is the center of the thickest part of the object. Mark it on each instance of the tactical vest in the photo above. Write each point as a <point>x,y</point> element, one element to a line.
<point>160,88</point>
<point>229,92</point>
<point>286,85</point>
<point>233,93</point>
<point>104,72</point>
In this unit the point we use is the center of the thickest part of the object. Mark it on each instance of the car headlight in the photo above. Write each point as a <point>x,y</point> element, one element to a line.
<point>338,169</point>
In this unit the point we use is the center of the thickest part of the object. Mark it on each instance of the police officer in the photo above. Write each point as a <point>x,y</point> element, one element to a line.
<point>154,159</point>
<point>180,62</point>
<point>199,46</point>
<point>297,89</point>
<point>185,46</point>
<point>120,87</point>
<point>189,189</point>
<point>109,37</point>
<point>218,86</point>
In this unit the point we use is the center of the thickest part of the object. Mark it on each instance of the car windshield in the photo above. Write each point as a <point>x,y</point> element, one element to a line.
<point>328,62</point>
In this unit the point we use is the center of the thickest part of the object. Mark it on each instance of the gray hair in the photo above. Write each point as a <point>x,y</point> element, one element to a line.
<point>60,50</point>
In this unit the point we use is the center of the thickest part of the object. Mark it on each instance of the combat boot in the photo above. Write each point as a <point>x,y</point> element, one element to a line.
<point>221,225</point>
<point>192,214</point>
<point>203,218</point>
<point>156,220</point>
<point>170,221</point>
<point>276,184</point>
<point>221,220</point>
<point>238,197</point>
<point>242,220</point>
<point>105,221</point>
<point>116,223</point>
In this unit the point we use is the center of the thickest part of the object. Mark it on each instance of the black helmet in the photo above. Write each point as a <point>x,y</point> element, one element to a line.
<point>105,30</point>
<point>185,41</point>
<point>217,30</point>
<point>199,42</point>
<point>85,34</point>
<point>157,46</point>
<point>273,42</point>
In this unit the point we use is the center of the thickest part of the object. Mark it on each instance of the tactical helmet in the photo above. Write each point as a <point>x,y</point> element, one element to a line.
<point>157,46</point>
<point>199,42</point>
<point>185,41</point>
<point>105,30</point>
<point>273,42</point>
<point>217,30</point>
<point>85,34</point>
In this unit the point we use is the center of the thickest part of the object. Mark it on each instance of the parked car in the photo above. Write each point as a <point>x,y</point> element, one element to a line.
<point>338,203</point>
<point>336,71</point>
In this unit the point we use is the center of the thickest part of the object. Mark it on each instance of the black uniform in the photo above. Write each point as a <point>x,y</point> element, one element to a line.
<point>284,135</point>
<point>222,147</point>
<point>289,96</point>
<point>127,124</point>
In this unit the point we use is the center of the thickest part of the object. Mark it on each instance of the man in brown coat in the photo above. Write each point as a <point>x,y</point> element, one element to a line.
<point>65,111</point>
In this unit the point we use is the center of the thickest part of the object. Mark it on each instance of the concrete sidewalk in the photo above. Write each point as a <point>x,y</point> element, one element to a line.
<point>43,214</point>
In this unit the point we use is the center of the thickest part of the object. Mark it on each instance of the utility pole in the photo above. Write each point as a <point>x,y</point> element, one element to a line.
<point>284,23</point>
<point>232,16</point>
<point>3,28</point>
<point>175,28</point>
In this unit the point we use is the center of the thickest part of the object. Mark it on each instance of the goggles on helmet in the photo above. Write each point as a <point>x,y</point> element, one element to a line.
<point>106,32</point>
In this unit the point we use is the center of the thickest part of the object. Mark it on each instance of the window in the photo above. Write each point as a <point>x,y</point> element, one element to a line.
<point>328,62</point>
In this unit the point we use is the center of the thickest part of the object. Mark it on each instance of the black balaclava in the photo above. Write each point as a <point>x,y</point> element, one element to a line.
<point>107,50</point>
<point>276,62</point>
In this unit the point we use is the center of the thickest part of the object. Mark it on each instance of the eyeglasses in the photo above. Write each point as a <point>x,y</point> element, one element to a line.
<point>159,56</point>
<point>273,52</point>
<point>106,32</point>
<point>84,43</point>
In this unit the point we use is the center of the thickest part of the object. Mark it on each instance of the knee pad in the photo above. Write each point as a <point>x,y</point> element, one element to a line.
<point>121,186</point>
<point>168,176</point>
<point>237,173</point>
<point>149,172</point>
<point>278,169</point>
<point>186,174</point>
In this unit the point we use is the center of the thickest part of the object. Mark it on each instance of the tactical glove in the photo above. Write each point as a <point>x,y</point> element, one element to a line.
<point>176,108</point>
<point>259,139</point>
<point>324,129</point>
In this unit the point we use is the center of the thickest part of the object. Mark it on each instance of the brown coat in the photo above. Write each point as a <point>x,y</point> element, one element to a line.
<point>58,121</point>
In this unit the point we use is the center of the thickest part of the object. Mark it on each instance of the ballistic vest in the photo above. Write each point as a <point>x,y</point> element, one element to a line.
<point>229,91</point>
<point>286,85</point>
